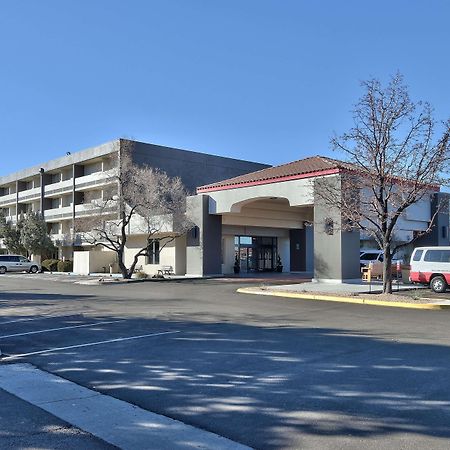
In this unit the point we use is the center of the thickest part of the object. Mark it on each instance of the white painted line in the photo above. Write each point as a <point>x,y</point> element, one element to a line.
<point>49,330</point>
<point>119,423</point>
<point>89,344</point>
<point>41,318</point>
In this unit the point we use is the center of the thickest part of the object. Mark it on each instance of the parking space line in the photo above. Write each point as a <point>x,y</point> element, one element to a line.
<point>40,318</point>
<point>89,344</point>
<point>49,330</point>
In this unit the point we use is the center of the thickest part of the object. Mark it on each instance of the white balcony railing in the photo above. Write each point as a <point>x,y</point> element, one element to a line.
<point>11,219</point>
<point>58,188</point>
<point>8,199</point>
<point>30,194</point>
<point>95,179</point>
<point>91,209</point>
<point>58,213</point>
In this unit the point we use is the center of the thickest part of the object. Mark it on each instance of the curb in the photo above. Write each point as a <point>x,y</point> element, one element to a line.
<point>335,298</point>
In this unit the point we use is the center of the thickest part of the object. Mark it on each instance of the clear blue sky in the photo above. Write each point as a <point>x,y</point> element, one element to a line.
<point>265,80</point>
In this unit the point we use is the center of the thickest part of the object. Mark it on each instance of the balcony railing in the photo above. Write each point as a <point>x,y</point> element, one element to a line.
<point>8,199</point>
<point>90,209</point>
<point>68,239</point>
<point>58,213</point>
<point>11,219</point>
<point>95,179</point>
<point>30,194</point>
<point>59,188</point>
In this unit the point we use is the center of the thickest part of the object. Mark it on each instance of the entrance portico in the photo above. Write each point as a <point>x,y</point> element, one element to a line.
<point>271,215</point>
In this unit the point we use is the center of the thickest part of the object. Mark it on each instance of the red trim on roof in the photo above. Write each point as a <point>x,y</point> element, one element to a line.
<point>267,181</point>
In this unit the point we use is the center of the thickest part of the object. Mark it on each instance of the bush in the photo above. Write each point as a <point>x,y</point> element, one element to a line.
<point>65,266</point>
<point>50,265</point>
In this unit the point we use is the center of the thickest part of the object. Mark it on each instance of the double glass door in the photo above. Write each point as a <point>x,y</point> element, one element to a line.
<point>256,254</point>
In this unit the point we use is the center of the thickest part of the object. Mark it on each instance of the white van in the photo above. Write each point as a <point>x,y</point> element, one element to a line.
<point>17,263</point>
<point>431,266</point>
<point>373,256</point>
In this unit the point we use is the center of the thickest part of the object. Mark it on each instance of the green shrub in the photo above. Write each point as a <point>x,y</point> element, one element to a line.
<point>50,265</point>
<point>65,266</point>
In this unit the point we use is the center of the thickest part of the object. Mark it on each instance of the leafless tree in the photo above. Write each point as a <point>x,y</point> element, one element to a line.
<point>140,200</point>
<point>394,161</point>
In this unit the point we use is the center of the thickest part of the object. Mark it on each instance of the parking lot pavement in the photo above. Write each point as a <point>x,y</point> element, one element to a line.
<point>264,372</point>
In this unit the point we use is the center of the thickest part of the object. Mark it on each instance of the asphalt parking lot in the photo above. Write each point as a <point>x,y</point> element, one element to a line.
<point>265,372</point>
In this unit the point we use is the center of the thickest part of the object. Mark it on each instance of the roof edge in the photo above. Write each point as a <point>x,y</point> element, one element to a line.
<point>224,187</point>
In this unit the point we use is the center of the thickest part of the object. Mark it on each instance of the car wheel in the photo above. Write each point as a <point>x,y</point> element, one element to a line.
<point>438,284</point>
<point>2,269</point>
<point>34,269</point>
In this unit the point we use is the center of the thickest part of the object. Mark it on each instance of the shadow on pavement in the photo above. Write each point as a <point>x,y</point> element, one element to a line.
<point>266,386</point>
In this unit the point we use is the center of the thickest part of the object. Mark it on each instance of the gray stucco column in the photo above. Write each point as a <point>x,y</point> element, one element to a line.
<point>204,241</point>
<point>336,250</point>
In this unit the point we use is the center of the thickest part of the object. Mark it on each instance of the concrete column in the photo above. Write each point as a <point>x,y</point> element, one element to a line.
<point>309,248</point>
<point>336,250</point>
<point>180,255</point>
<point>284,252</point>
<point>203,242</point>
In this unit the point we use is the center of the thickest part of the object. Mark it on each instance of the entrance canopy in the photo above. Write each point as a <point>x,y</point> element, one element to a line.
<point>276,204</point>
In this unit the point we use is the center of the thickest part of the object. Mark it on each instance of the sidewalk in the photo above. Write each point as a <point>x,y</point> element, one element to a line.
<point>23,425</point>
<point>111,420</point>
<point>403,295</point>
<point>375,287</point>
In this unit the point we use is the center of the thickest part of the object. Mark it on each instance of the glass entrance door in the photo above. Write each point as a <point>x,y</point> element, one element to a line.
<point>255,253</point>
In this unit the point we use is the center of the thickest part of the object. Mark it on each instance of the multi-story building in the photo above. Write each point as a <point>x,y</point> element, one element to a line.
<point>58,188</point>
<point>259,216</point>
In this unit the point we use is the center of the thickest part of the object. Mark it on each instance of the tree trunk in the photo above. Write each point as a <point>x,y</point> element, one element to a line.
<point>387,270</point>
<point>133,266</point>
<point>122,266</point>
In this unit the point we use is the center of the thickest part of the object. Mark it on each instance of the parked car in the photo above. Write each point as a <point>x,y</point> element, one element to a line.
<point>431,266</point>
<point>367,256</point>
<point>17,263</point>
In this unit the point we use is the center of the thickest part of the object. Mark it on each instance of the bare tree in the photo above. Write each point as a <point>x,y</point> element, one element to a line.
<point>141,200</point>
<point>393,162</point>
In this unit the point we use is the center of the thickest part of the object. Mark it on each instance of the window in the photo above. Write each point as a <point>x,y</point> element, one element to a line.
<point>437,256</point>
<point>444,232</point>
<point>23,259</point>
<point>417,255</point>
<point>153,252</point>
<point>369,256</point>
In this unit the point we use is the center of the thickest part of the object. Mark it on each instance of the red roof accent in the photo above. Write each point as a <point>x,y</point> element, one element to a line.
<point>303,168</point>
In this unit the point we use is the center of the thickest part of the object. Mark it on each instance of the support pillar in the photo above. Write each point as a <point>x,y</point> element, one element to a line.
<point>204,241</point>
<point>336,250</point>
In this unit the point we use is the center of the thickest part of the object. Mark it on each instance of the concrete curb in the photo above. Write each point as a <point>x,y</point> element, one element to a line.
<point>114,421</point>
<point>335,298</point>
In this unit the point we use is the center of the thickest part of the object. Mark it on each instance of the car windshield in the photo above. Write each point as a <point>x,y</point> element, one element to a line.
<point>369,256</point>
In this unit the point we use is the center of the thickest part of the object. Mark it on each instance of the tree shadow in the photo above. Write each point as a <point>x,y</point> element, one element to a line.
<point>266,386</point>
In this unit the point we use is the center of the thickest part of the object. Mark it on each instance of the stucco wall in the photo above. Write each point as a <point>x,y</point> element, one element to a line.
<point>173,254</point>
<point>297,192</point>
<point>336,251</point>
<point>94,261</point>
